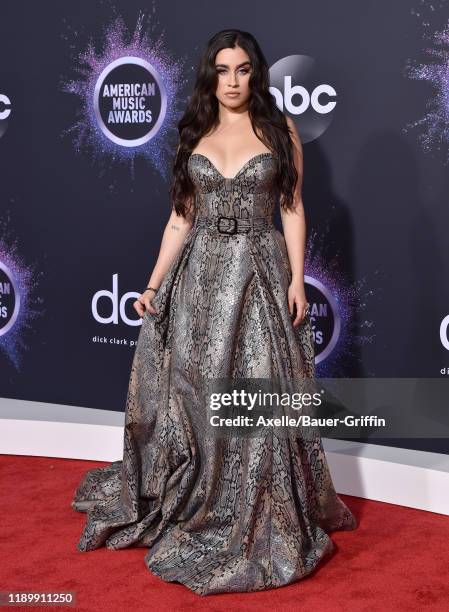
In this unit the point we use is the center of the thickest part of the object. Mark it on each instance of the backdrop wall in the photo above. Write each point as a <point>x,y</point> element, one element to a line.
<point>85,175</point>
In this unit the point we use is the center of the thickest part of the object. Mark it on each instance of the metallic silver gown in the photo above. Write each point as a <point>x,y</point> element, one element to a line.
<point>217,514</point>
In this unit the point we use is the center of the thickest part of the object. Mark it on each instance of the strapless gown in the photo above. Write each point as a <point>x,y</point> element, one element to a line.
<point>217,514</point>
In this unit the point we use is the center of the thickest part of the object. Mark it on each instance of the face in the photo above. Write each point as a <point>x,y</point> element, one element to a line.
<point>233,69</point>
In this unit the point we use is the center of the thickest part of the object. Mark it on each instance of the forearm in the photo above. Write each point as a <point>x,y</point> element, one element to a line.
<point>294,227</point>
<point>173,237</point>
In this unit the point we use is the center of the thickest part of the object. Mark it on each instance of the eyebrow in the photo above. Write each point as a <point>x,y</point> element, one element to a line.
<point>226,65</point>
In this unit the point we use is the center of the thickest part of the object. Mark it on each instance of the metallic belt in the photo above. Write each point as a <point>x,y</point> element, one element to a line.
<point>234,225</point>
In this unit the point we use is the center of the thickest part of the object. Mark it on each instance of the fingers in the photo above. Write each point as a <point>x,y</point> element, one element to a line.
<point>291,302</point>
<point>139,308</point>
<point>151,309</point>
<point>299,317</point>
<point>144,305</point>
<point>301,311</point>
<point>149,305</point>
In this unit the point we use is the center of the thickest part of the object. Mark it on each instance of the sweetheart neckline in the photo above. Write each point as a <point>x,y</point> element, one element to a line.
<point>232,178</point>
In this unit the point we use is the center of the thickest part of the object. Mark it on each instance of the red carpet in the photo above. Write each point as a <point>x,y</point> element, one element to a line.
<point>397,559</point>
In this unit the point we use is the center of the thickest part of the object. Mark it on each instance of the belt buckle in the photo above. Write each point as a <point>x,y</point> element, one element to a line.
<point>234,228</point>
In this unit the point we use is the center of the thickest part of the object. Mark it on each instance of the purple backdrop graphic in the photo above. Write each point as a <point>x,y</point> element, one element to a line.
<point>89,100</point>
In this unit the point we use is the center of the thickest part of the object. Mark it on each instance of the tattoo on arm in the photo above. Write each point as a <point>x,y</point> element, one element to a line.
<point>175,227</point>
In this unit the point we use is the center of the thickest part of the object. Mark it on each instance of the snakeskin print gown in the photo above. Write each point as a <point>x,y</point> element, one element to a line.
<point>217,514</point>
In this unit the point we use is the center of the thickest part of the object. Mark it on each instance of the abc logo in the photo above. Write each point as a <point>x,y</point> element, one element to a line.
<point>5,111</point>
<point>305,99</point>
<point>301,90</point>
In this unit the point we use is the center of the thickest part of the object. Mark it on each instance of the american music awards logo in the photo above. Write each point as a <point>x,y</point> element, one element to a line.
<point>20,302</point>
<point>9,299</point>
<point>130,101</point>
<point>130,96</point>
<point>325,317</point>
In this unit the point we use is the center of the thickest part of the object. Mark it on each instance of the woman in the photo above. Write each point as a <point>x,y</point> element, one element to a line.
<point>226,300</point>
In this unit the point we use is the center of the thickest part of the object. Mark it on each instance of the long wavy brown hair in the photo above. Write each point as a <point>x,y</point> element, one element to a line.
<point>201,116</point>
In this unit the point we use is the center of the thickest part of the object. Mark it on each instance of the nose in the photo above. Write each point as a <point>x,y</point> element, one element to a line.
<point>233,79</point>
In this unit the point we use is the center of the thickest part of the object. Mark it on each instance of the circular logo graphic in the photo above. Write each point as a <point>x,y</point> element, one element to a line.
<point>130,101</point>
<point>302,91</point>
<point>5,112</point>
<point>9,300</point>
<point>324,316</point>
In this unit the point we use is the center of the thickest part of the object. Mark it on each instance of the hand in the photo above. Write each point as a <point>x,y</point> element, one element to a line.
<point>143,303</point>
<point>297,297</point>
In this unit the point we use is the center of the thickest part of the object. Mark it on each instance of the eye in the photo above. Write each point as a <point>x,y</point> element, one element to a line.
<point>241,70</point>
